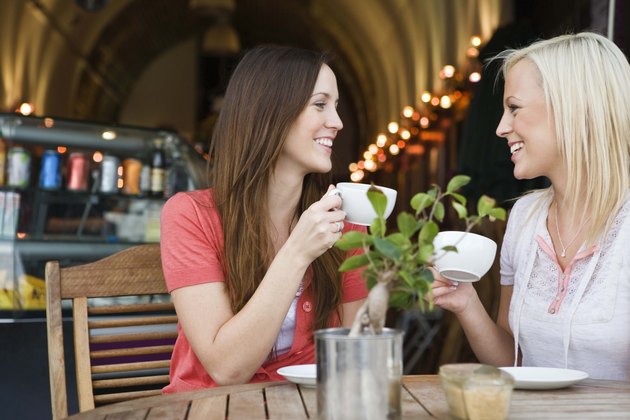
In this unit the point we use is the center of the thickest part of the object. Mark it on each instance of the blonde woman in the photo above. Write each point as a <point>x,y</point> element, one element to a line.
<point>565,271</point>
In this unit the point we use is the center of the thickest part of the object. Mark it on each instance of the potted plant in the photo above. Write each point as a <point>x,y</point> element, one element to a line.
<point>359,371</point>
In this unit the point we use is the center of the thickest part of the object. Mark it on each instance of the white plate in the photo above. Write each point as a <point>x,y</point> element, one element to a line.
<point>544,378</point>
<point>300,374</point>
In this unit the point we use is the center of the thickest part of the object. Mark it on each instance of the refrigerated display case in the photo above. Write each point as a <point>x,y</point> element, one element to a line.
<point>70,224</point>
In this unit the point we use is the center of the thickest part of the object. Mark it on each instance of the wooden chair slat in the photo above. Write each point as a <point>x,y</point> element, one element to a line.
<point>125,367</point>
<point>131,322</point>
<point>141,307</point>
<point>134,381</point>
<point>118,338</point>
<point>82,354</point>
<point>134,351</point>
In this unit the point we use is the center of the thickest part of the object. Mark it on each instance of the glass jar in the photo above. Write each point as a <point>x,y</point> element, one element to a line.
<point>477,392</point>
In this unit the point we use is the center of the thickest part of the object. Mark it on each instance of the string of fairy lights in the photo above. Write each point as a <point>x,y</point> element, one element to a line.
<point>426,121</point>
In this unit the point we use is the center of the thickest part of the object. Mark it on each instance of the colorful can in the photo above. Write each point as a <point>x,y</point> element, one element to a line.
<point>131,176</point>
<point>19,175</point>
<point>78,168</point>
<point>109,175</point>
<point>50,173</point>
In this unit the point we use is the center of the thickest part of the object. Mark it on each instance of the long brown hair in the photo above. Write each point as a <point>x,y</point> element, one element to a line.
<point>267,92</point>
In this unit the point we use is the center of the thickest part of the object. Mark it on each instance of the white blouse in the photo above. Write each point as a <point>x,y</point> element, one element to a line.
<point>578,318</point>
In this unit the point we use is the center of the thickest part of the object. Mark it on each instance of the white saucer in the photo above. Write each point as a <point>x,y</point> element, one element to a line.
<point>543,377</point>
<point>300,374</point>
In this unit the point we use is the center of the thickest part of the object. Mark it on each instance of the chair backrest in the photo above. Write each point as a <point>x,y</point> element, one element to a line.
<point>122,350</point>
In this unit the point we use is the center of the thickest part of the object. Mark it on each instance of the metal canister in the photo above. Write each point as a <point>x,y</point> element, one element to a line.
<point>131,176</point>
<point>50,173</point>
<point>109,175</point>
<point>19,174</point>
<point>78,169</point>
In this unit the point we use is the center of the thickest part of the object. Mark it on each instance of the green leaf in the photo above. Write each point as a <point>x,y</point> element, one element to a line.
<point>421,201</point>
<point>399,239</point>
<point>460,198</point>
<point>400,299</point>
<point>484,205</point>
<point>457,182</point>
<point>450,248</point>
<point>354,262</point>
<point>408,278</point>
<point>370,280</point>
<point>498,213</point>
<point>387,248</point>
<point>439,212</point>
<point>378,200</point>
<point>407,224</point>
<point>425,253</point>
<point>462,213</point>
<point>352,240</point>
<point>428,232</point>
<point>378,228</point>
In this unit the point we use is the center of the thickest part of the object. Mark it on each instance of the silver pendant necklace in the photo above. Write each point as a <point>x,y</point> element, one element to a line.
<point>564,248</point>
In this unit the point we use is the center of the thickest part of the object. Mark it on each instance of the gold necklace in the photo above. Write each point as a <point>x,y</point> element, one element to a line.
<point>564,248</point>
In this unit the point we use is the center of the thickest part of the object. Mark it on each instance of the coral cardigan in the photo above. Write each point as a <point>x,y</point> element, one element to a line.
<point>191,241</point>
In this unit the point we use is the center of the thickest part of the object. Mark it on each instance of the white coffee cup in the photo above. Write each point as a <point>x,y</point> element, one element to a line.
<point>356,204</point>
<point>474,257</point>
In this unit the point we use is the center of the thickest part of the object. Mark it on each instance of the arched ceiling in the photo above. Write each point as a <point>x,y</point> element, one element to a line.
<point>79,64</point>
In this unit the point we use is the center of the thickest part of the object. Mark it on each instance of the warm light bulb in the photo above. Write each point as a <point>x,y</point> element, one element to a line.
<point>407,111</point>
<point>97,157</point>
<point>61,149</point>
<point>392,127</point>
<point>108,135</point>
<point>381,139</point>
<point>449,71</point>
<point>475,41</point>
<point>435,101</point>
<point>472,52</point>
<point>424,122</point>
<point>445,102</point>
<point>373,149</point>
<point>394,149</point>
<point>357,176</point>
<point>353,167</point>
<point>474,77</point>
<point>425,97</point>
<point>26,108</point>
<point>405,134</point>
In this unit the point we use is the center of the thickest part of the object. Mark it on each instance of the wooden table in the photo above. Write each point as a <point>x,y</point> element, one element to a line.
<point>422,399</point>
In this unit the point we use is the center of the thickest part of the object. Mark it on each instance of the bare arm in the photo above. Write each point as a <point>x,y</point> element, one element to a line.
<point>231,346</point>
<point>493,343</point>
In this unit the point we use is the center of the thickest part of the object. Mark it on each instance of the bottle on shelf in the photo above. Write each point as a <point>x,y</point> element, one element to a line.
<point>3,159</point>
<point>158,167</point>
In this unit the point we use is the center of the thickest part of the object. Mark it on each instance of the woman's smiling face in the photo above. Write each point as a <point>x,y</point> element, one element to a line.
<point>528,126</point>
<point>308,146</point>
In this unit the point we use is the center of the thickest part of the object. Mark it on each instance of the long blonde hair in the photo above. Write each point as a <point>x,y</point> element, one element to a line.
<point>266,93</point>
<point>586,82</point>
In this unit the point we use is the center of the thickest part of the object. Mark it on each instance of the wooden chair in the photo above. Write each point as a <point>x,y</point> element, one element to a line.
<point>122,351</point>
